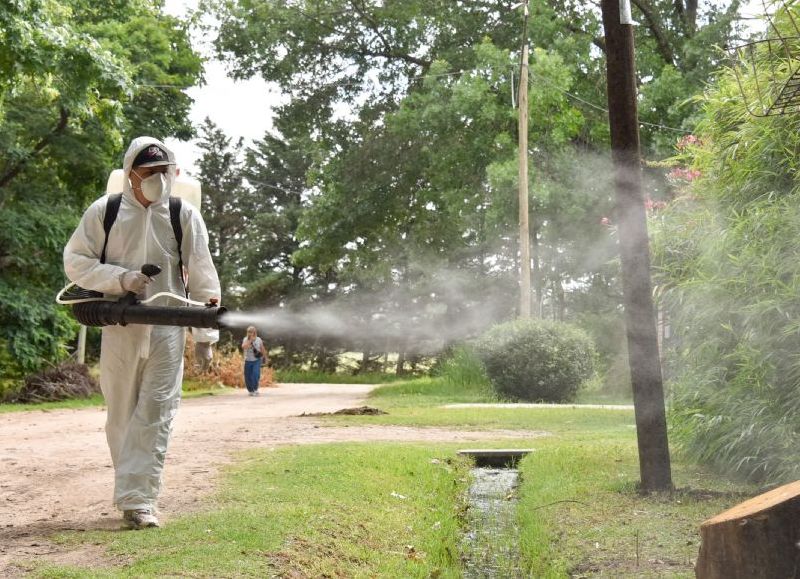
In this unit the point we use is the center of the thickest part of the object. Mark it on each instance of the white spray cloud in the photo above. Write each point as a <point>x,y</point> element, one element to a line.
<point>451,307</point>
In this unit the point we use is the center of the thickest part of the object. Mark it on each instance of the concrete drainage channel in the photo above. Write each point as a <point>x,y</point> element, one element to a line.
<point>490,546</point>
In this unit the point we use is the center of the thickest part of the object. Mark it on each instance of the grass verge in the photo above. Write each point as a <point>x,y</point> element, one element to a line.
<point>419,403</point>
<point>311,377</point>
<point>581,515</point>
<point>97,400</point>
<point>342,510</point>
<point>391,510</point>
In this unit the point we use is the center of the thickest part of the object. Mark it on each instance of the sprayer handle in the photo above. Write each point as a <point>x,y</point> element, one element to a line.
<point>150,270</point>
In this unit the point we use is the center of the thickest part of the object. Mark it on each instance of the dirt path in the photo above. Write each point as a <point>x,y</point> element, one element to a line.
<point>55,470</point>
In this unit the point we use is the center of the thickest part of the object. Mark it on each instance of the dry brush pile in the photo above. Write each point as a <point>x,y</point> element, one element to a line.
<point>64,381</point>
<point>226,369</point>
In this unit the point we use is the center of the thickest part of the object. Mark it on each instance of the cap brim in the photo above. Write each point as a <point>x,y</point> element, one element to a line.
<point>154,164</point>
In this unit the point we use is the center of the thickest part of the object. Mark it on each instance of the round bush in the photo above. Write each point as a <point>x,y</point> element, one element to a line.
<point>535,360</point>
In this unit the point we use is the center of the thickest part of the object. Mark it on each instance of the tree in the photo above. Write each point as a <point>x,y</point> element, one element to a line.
<point>276,168</point>
<point>226,210</point>
<point>252,204</point>
<point>678,50</point>
<point>67,84</point>
<point>41,113</point>
<point>162,62</point>
<point>406,108</point>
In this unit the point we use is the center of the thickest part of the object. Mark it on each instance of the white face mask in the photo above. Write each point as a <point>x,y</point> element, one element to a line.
<point>153,187</point>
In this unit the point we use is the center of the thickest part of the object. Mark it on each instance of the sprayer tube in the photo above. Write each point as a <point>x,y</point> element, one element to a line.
<point>112,313</point>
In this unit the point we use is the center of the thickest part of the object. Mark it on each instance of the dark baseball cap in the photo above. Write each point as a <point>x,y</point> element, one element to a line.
<point>152,156</point>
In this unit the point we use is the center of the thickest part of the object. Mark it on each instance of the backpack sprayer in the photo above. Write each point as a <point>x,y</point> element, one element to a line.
<point>92,309</point>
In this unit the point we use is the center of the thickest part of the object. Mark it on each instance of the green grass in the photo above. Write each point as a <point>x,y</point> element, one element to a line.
<point>591,397</point>
<point>580,513</point>
<point>597,391</point>
<point>560,421</point>
<point>343,510</point>
<point>591,458</point>
<point>419,403</point>
<point>432,391</point>
<point>97,400</point>
<point>333,510</point>
<point>312,377</point>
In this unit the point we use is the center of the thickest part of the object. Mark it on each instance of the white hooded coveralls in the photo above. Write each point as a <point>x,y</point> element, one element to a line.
<point>141,367</point>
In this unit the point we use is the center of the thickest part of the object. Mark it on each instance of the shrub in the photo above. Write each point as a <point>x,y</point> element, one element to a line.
<point>607,331</point>
<point>462,369</point>
<point>536,360</point>
<point>725,253</point>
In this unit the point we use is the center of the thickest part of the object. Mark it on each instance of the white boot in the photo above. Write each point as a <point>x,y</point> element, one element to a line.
<point>140,518</point>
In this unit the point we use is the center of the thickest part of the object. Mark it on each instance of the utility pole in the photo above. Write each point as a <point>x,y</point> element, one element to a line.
<point>640,321</point>
<point>524,229</point>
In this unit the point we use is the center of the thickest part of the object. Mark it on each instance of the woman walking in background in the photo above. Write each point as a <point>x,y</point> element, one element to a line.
<point>254,353</point>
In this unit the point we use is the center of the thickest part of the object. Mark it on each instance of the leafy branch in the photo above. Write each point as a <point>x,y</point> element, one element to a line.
<point>17,167</point>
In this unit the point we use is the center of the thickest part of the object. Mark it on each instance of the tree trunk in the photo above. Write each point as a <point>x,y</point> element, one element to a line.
<point>385,362</point>
<point>319,357</point>
<point>401,362</point>
<point>17,168</point>
<point>756,539</point>
<point>413,361</point>
<point>290,352</point>
<point>325,359</point>
<point>363,368</point>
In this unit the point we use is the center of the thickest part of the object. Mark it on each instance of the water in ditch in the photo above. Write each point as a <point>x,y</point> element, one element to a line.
<point>490,547</point>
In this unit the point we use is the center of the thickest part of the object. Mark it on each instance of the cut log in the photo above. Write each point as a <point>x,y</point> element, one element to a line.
<point>756,539</point>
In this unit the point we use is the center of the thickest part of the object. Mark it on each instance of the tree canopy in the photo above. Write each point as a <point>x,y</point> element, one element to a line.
<point>76,82</point>
<point>405,114</point>
<point>388,182</point>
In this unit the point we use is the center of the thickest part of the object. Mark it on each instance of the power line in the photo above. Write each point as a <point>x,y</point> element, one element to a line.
<point>603,109</point>
<point>349,83</point>
<point>263,184</point>
<point>464,72</point>
<point>177,86</point>
<point>666,128</point>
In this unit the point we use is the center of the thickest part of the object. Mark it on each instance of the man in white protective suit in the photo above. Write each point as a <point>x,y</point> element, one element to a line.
<point>141,366</point>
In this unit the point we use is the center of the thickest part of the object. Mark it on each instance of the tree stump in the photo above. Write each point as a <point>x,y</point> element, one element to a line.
<point>756,539</point>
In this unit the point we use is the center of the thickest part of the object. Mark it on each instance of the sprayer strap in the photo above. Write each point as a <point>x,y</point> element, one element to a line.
<point>175,219</point>
<point>112,208</point>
